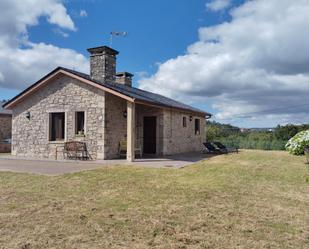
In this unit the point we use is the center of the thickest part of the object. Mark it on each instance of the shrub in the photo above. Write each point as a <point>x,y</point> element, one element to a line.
<point>297,144</point>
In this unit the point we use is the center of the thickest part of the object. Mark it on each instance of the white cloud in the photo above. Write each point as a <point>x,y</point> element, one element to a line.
<point>141,74</point>
<point>57,14</point>
<point>60,32</point>
<point>28,12</point>
<point>83,13</point>
<point>25,66</point>
<point>23,62</point>
<point>258,61</point>
<point>1,77</point>
<point>217,5</point>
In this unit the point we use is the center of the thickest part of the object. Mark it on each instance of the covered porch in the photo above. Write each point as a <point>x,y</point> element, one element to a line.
<point>144,131</point>
<point>132,129</point>
<point>156,130</point>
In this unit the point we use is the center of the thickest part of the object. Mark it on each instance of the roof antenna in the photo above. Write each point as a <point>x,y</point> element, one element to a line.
<point>116,33</point>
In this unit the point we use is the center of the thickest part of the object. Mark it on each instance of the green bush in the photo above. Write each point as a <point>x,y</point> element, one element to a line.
<point>232,136</point>
<point>297,144</point>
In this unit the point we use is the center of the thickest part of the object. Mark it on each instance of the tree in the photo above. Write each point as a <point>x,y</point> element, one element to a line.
<point>285,132</point>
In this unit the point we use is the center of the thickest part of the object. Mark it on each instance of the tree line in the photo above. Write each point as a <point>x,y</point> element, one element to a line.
<point>233,136</point>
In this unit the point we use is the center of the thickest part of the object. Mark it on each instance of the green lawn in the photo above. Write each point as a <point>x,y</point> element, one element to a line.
<point>254,199</point>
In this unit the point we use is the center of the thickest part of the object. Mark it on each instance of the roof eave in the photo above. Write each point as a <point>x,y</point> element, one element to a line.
<point>40,83</point>
<point>143,102</point>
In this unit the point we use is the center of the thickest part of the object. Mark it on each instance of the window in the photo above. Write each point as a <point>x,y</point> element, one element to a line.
<point>79,123</point>
<point>197,126</point>
<point>184,122</point>
<point>56,126</point>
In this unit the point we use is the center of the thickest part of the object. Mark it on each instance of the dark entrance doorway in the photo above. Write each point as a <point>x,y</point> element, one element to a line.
<point>150,132</point>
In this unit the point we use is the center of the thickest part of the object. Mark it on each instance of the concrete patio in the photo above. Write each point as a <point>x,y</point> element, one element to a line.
<point>59,167</point>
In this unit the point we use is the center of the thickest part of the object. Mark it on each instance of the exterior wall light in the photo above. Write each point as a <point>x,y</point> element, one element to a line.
<point>28,115</point>
<point>125,114</point>
<point>191,118</point>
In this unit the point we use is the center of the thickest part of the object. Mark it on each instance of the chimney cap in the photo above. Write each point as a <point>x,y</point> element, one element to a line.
<point>124,74</point>
<point>101,50</point>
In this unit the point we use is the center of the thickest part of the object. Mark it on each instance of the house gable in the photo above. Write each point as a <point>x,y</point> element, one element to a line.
<point>58,72</point>
<point>32,119</point>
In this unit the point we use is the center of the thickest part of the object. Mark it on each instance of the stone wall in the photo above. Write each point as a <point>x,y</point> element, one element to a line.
<point>30,137</point>
<point>172,137</point>
<point>5,126</point>
<point>115,125</point>
<point>179,139</point>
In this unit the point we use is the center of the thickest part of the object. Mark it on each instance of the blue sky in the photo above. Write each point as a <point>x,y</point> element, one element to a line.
<point>158,29</point>
<point>228,57</point>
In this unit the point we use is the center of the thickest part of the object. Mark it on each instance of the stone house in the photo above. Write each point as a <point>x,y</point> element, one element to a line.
<point>101,109</point>
<point>5,128</point>
<point>5,123</point>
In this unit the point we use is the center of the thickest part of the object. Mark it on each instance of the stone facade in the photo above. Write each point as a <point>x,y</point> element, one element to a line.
<point>5,126</point>
<point>179,139</point>
<point>30,136</point>
<point>171,136</point>
<point>115,125</point>
<point>105,122</point>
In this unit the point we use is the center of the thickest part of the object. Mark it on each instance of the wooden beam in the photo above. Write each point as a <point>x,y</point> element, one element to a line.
<point>130,131</point>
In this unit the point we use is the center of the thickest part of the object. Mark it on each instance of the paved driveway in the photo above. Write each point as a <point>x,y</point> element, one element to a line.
<point>52,167</point>
<point>44,167</point>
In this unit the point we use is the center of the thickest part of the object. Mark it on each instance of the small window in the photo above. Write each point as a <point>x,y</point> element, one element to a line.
<point>56,126</point>
<point>197,126</point>
<point>184,122</point>
<point>79,123</point>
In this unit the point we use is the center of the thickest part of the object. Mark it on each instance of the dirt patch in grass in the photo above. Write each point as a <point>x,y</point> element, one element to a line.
<point>254,199</point>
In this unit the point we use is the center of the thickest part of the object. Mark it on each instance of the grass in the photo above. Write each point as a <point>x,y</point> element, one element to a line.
<point>254,199</point>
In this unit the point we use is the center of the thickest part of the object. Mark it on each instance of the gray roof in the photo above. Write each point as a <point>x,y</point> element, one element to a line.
<point>142,95</point>
<point>132,92</point>
<point>2,110</point>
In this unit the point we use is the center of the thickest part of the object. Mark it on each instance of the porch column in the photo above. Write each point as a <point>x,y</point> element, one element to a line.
<point>130,131</point>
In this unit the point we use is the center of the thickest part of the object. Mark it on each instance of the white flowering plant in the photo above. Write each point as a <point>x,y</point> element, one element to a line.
<point>296,145</point>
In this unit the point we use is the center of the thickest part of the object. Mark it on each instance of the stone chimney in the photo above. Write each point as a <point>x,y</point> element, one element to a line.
<point>103,64</point>
<point>124,78</point>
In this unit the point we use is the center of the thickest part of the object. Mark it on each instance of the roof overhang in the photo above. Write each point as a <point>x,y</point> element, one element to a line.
<point>204,114</point>
<point>59,71</point>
